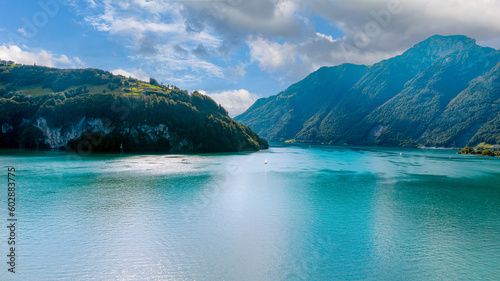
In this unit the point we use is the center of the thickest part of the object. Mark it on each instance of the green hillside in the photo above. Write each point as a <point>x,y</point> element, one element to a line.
<point>93,110</point>
<point>443,91</point>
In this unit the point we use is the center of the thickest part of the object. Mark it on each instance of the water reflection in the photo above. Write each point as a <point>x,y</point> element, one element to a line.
<point>318,213</point>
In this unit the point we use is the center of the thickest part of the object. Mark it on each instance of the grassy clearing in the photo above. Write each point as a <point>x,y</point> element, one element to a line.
<point>484,146</point>
<point>127,87</point>
<point>35,90</point>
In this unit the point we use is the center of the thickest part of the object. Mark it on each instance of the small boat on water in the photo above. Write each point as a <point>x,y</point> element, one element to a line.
<point>265,161</point>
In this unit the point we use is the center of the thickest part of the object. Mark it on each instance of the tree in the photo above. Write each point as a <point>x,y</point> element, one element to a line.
<point>467,150</point>
<point>488,152</point>
<point>153,82</point>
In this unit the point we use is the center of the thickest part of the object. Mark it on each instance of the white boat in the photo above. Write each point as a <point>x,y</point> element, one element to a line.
<point>265,161</point>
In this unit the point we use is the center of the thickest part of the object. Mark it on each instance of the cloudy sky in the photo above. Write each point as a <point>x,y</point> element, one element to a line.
<point>234,50</point>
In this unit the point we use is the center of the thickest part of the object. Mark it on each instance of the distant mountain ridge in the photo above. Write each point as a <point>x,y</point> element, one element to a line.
<point>444,91</point>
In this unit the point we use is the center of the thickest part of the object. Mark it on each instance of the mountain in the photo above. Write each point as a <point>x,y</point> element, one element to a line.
<point>444,91</point>
<point>86,110</point>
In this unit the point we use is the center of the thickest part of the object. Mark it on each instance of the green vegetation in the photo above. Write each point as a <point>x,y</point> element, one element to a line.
<point>443,92</point>
<point>136,115</point>
<point>488,152</point>
<point>480,151</point>
<point>467,150</point>
<point>484,145</point>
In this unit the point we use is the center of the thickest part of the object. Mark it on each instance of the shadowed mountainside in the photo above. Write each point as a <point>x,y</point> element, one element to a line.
<point>444,91</point>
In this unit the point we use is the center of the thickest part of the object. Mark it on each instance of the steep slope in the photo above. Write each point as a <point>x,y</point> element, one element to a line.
<point>416,109</point>
<point>471,117</point>
<point>87,110</point>
<point>283,116</point>
<point>406,100</point>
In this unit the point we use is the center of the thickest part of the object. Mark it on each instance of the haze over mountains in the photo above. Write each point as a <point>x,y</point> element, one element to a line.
<point>444,91</point>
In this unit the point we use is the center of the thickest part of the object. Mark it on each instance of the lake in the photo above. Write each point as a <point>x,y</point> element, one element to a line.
<point>311,213</point>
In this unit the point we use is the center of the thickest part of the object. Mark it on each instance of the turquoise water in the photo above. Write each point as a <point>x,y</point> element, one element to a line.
<point>311,213</point>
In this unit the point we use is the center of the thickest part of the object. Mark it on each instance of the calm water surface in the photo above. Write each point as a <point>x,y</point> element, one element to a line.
<point>312,213</point>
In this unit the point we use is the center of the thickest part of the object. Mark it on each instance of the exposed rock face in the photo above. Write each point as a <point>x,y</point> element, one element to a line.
<point>57,138</point>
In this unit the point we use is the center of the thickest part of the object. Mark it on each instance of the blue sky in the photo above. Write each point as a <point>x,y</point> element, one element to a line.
<point>234,50</point>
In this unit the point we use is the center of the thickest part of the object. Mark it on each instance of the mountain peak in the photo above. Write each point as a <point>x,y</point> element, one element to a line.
<point>450,38</point>
<point>438,46</point>
<point>427,96</point>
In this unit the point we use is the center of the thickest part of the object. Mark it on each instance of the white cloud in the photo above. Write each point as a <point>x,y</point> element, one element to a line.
<point>295,61</point>
<point>373,30</point>
<point>183,69</point>
<point>22,31</point>
<point>266,18</point>
<point>327,37</point>
<point>398,24</point>
<point>39,57</point>
<point>271,55</point>
<point>281,34</point>
<point>91,3</point>
<point>156,33</point>
<point>134,73</point>
<point>235,102</point>
<point>78,61</point>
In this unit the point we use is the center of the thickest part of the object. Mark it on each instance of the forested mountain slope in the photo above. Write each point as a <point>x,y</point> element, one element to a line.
<point>443,91</point>
<point>89,110</point>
